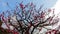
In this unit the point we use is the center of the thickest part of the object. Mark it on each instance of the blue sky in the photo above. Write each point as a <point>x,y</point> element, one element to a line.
<point>12,3</point>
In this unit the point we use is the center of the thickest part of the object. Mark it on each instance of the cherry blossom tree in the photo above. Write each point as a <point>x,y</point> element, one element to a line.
<point>27,19</point>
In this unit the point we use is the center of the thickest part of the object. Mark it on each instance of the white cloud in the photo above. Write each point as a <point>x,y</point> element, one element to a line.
<point>57,10</point>
<point>57,7</point>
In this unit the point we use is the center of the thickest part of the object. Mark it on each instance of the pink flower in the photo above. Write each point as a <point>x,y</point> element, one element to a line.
<point>21,6</point>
